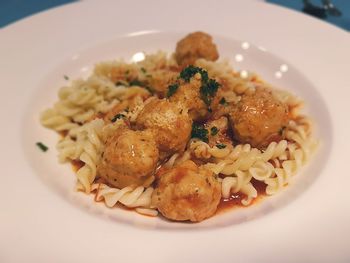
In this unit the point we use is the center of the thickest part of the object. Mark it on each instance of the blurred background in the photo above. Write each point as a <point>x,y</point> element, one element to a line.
<point>336,12</point>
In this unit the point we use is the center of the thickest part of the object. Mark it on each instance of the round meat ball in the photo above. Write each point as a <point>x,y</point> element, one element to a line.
<point>188,95</point>
<point>169,122</point>
<point>130,158</point>
<point>258,118</point>
<point>187,192</point>
<point>194,46</point>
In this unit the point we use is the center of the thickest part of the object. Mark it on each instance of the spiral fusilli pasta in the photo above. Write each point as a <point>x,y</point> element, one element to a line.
<point>139,197</point>
<point>274,166</point>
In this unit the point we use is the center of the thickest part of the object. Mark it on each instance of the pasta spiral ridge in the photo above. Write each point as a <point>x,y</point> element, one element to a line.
<point>248,163</point>
<point>203,150</point>
<point>52,119</point>
<point>90,142</point>
<point>139,197</point>
<point>240,182</point>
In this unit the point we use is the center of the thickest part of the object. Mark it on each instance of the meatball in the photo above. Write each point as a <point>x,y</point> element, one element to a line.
<point>130,158</point>
<point>187,192</point>
<point>169,123</point>
<point>194,46</point>
<point>258,118</point>
<point>188,94</point>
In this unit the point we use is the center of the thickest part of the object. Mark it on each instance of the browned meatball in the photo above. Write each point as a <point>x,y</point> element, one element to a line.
<point>169,123</point>
<point>187,192</point>
<point>130,158</point>
<point>258,118</point>
<point>188,94</point>
<point>194,46</point>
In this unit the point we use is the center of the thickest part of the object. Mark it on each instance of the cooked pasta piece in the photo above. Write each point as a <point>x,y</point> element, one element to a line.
<point>52,119</point>
<point>239,183</point>
<point>128,196</point>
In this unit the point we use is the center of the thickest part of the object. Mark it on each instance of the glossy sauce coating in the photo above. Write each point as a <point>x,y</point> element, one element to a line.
<point>187,192</point>
<point>235,200</point>
<point>258,118</point>
<point>169,123</point>
<point>130,158</point>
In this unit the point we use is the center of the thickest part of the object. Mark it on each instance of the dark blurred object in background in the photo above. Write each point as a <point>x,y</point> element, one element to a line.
<point>336,12</point>
<point>327,8</point>
<point>13,10</point>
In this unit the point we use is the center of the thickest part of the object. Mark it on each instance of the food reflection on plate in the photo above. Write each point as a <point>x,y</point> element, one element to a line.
<point>179,134</point>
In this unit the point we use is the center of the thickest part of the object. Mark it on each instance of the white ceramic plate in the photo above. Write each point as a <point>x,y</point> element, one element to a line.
<point>42,219</point>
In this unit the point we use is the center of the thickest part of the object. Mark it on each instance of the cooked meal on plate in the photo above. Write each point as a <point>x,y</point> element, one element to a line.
<point>179,134</point>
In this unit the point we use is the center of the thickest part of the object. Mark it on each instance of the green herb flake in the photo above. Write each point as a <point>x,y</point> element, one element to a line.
<point>208,88</point>
<point>143,70</point>
<point>149,89</point>
<point>42,146</point>
<point>127,72</point>
<point>208,91</point>
<point>214,131</point>
<point>172,89</point>
<point>136,82</point>
<point>117,116</point>
<point>187,73</point>
<point>223,102</point>
<point>121,83</point>
<point>198,131</point>
<point>221,145</point>
<point>66,77</point>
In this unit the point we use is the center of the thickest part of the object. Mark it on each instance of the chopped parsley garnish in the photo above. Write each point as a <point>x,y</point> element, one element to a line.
<point>149,89</point>
<point>208,90</point>
<point>66,77</point>
<point>198,131</point>
<point>42,146</point>
<point>143,70</point>
<point>214,131</point>
<point>121,83</point>
<point>136,82</point>
<point>221,145</point>
<point>172,89</point>
<point>187,73</point>
<point>223,102</point>
<point>127,72</point>
<point>117,116</point>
